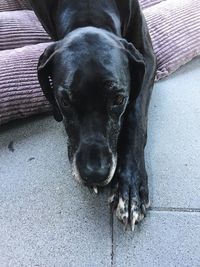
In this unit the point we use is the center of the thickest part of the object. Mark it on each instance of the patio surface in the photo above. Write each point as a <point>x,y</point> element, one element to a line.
<point>47,219</point>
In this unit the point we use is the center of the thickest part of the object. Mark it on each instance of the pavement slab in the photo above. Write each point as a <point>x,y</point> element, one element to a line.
<point>173,147</point>
<point>46,217</point>
<point>163,239</point>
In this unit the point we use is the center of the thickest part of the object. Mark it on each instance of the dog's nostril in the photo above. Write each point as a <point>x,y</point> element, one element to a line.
<point>96,169</point>
<point>94,173</point>
<point>93,166</point>
<point>97,166</point>
<point>89,168</point>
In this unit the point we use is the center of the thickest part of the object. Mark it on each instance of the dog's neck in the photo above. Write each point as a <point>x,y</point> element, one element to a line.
<point>104,18</point>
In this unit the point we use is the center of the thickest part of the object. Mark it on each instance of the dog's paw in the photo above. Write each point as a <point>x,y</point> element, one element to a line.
<point>130,211</point>
<point>130,204</point>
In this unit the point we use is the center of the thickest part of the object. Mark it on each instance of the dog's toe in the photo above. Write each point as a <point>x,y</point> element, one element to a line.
<point>129,210</point>
<point>122,211</point>
<point>137,213</point>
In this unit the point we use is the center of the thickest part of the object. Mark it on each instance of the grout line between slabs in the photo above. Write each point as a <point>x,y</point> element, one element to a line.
<point>172,209</point>
<point>161,209</point>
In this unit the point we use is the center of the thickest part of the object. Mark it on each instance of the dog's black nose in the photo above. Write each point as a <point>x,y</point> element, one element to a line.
<point>96,171</point>
<point>94,164</point>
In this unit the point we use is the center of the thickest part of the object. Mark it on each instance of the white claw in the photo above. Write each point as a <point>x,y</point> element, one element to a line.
<point>95,189</point>
<point>111,199</point>
<point>133,225</point>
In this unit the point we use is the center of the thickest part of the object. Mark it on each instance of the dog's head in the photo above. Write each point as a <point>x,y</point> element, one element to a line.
<point>89,78</point>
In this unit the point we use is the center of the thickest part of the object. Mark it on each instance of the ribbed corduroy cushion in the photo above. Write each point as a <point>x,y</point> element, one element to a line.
<point>10,5</point>
<point>147,3</point>
<point>20,28</point>
<point>175,29</point>
<point>20,93</point>
<point>174,26</point>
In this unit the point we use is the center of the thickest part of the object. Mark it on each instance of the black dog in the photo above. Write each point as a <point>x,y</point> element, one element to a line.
<point>98,75</point>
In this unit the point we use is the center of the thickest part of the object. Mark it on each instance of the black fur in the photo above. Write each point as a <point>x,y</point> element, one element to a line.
<point>98,75</point>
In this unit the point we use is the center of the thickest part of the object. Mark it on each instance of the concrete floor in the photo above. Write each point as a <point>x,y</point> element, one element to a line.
<point>47,219</point>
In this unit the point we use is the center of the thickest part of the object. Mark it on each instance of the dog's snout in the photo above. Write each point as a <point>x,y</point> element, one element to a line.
<point>93,163</point>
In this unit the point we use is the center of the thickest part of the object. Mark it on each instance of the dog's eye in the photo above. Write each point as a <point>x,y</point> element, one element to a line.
<point>118,100</point>
<point>65,103</point>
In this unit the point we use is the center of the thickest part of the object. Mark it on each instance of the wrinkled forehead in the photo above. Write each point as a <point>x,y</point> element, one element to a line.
<point>90,59</point>
<point>81,69</point>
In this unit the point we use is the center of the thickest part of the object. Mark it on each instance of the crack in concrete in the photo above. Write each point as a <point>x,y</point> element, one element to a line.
<point>112,238</point>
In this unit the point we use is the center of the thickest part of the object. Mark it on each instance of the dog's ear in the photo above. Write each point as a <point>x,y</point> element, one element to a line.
<point>45,66</point>
<point>46,11</point>
<point>136,67</point>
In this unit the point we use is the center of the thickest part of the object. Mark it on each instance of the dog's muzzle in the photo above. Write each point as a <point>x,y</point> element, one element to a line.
<point>94,166</point>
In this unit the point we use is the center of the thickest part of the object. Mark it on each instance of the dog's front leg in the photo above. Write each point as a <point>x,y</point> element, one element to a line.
<point>130,195</point>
